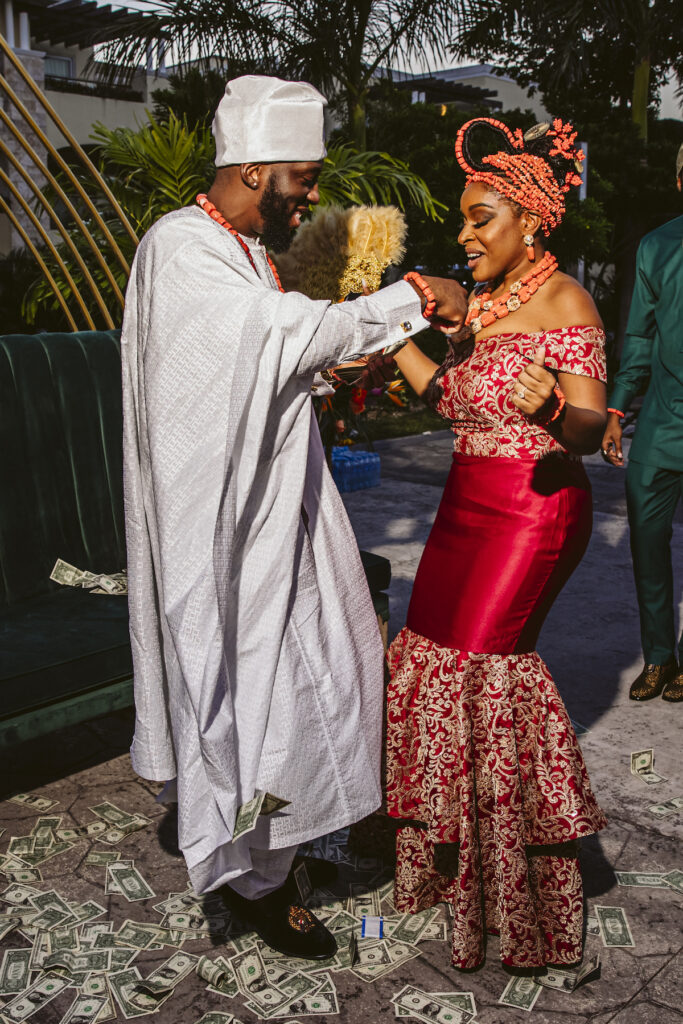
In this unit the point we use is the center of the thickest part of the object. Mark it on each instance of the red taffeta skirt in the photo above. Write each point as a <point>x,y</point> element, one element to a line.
<point>481,756</point>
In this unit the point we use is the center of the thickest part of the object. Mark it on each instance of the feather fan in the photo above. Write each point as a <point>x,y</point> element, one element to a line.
<point>337,249</point>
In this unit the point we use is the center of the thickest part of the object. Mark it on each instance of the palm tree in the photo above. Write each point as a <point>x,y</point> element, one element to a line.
<point>613,50</point>
<point>339,45</point>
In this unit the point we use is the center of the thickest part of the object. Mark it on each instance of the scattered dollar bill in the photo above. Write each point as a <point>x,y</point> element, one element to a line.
<point>97,985</point>
<point>614,928</point>
<point>89,960</point>
<point>53,911</point>
<point>8,922</point>
<point>78,832</point>
<point>262,803</point>
<point>642,766</point>
<point>19,895</point>
<point>133,1000</point>
<point>100,858</point>
<point>68,575</point>
<point>136,934</point>
<point>84,1010</point>
<point>566,979</point>
<point>90,932</point>
<point>667,808</point>
<point>216,1017</point>
<point>113,815</point>
<point>303,882</point>
<point>411,927</point>
<point>427,1006</point>
<point>371,966</point>
<point>308,1006</point>
<point>42,854</point>
<point>129,882</point>
<point>43,830</point>
<point>521,993</point>
<point>247,815</point>
<point>674,879</point>
<point>116,833</point>
<point>458,1000</point>
<point>250,973</point>
<point>8,862</point>
<point>100,583</point>
<point>271,804</point>
<point>87,912</point>
<point>110,883</point>
<point>20,846</point>
<point>63,938</point>
<point>14,971</point>
<point>363,901</point>
<point>36,803</point>
<point>169,974</point>
<point>24,875</point>
<point>219,975</point>
<point>34,998</point>
<point>649,879</point>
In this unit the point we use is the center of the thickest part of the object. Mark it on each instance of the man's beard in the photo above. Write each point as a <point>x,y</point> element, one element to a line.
<point>277,231</point>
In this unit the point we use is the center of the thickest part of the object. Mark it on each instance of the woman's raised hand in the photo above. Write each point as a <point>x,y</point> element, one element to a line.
<point>534,386</point>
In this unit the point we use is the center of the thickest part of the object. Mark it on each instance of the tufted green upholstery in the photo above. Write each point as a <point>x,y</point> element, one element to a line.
<point>60,497</point>
<point>60,458</point>
<point>65,653</point>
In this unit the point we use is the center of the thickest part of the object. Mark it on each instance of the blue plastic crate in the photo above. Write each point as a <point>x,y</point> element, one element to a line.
<point>352,469</point>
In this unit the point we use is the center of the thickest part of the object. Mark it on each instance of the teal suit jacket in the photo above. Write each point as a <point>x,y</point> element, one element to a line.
<point>654,346</point>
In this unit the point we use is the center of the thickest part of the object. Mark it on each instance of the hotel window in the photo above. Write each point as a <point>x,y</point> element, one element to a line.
<point>58,67</point>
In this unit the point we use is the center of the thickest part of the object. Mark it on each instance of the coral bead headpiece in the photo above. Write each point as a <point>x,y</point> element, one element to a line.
<point>525,178</point>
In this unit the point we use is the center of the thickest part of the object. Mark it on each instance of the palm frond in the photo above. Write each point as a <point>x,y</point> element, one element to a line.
<point>353,178</point>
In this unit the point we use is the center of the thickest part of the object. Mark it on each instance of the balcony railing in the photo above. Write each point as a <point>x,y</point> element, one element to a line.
<point>87,87</point>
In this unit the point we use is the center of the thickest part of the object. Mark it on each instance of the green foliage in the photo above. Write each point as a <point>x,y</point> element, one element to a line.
<point>350,178</point>
<point>158,168</point>
<point>192,96</point>
<point>19,273</point>
<point>162,165</point>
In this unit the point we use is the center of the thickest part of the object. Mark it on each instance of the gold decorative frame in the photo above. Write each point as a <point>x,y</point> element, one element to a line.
<point>21,216</point>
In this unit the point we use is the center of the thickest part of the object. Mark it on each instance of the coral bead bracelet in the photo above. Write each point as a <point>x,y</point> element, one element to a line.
<point>417,279</point>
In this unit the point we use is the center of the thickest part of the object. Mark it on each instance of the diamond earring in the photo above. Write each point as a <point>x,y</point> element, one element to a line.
<point>530,251</point>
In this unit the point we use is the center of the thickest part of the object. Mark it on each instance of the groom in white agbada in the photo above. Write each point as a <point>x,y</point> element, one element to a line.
<point>258,661</point>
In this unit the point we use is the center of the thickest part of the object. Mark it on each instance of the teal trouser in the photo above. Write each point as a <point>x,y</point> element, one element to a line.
<point>652,495</point>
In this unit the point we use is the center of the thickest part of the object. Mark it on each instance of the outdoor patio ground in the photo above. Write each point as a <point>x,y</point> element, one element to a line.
<point>591,645</point>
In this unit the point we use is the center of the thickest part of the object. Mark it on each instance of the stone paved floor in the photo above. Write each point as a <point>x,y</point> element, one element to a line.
<point>590,642</point>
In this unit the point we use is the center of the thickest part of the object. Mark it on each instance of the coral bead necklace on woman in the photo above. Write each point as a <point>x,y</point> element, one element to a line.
<point>481,756</point>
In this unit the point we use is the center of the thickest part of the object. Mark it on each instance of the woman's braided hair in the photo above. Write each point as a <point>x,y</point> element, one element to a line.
<point>534,171</point>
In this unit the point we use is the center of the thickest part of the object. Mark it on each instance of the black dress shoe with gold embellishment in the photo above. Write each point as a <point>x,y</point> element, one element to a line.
<point>283,923</point>
<point>673,691</point>
<point>652,680</point>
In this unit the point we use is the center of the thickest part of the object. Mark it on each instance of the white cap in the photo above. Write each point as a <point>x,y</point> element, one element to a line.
<point>267,120</point>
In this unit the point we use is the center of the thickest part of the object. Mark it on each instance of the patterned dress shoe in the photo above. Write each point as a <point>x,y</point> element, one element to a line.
<point>652,681</point>
<point>673,691</point>
<point>283,924</point>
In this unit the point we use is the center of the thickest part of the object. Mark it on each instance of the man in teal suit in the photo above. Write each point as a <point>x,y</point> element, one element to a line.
<point>654,478</point>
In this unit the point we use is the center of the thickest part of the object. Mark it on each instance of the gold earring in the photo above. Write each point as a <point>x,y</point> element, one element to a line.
<point>530,251</point>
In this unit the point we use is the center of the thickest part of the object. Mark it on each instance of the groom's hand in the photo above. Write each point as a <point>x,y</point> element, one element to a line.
<point>451,304</point>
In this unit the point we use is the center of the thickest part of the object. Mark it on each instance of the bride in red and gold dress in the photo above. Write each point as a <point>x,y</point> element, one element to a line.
<point>482,760</point>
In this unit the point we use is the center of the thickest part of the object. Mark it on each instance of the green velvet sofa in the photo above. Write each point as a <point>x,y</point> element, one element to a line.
<point>65,653</point>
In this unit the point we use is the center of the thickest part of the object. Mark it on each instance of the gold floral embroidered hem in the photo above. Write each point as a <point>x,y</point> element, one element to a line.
<point>483,761</point>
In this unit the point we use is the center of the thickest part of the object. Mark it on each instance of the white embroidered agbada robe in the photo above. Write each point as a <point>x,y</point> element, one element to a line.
<point>257,656</point>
